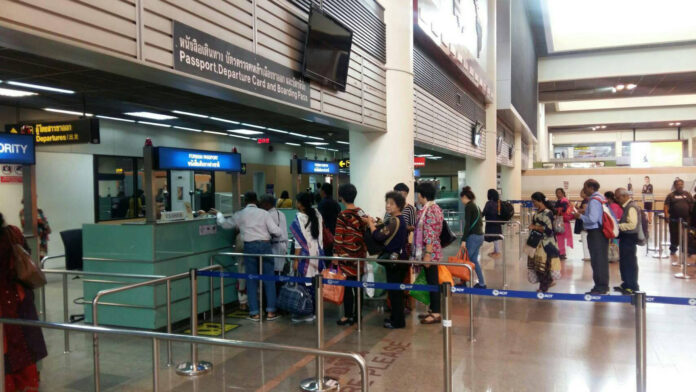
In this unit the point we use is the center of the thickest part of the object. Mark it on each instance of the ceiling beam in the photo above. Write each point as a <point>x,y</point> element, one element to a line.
<point>635,115</point>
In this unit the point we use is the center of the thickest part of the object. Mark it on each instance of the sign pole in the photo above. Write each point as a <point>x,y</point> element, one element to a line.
<point>149,184</point>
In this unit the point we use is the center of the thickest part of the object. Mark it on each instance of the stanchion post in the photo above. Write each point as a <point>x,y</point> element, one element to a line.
<point>502,251</point>
<point>2,363</point>
<point>358,300</point>
<point>683,240</point>
<point>169,321</point>
<point>66,316</point>
<point>155,365</point>
<point>260,290</point>
<point>195,367</point>
<point>641,359</point>
<point>319,382</point>
<point>222,303</point>
<point>678,262</point>
<point>446,299</point>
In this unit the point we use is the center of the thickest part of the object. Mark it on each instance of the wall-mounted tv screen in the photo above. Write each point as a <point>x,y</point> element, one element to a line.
<point>327,50</point>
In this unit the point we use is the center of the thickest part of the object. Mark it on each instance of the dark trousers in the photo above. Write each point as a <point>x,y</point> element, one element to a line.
<point>433,278</point>
<point>396,274</point>
<point>599,259</point>
<point>628,261</point>
<point>673,235</point>
<point>349,303</point>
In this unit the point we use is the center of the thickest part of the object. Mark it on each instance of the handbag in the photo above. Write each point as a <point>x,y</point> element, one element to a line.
<point>613,252</point>
<point>27,272</point>
<point>295,298</point>
<point>558,224</point>
<point>421,296</point>
<point>461,272</point>
<point>327,237</point>
<point>578,226</point>
<point>447,237</point>
<point>333,293</point>
<point>373,247</point>
<point>444,275</point>
<point>534,238</point>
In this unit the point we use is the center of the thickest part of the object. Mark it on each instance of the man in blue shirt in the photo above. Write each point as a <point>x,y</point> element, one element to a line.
<point>591,217</point>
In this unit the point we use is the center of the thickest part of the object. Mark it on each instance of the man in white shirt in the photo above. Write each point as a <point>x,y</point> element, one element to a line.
<point>256,228</point>
<point>278,244</point>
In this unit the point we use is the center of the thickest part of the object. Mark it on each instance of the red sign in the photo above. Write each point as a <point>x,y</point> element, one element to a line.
<point>11,174</point>
<point>8,180</point>
<point>263,140</point>
<point>418,161</point>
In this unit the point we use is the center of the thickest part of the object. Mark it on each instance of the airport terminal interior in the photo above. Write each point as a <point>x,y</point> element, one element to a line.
<point>347,195</point>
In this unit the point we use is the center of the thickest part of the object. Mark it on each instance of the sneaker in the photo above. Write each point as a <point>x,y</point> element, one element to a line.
<point>479,286</point>
<point>303,319</point>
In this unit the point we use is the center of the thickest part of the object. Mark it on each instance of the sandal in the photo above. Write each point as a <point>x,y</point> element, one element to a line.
<point>431,320</point>
<point>272,316</point>
<point>424,315</point>
<point>255,317</point>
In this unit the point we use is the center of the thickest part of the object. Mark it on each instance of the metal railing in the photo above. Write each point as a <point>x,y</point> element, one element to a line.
<point>158,336</point>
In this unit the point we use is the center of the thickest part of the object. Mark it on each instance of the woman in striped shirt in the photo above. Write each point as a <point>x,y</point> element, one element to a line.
<point>348,242</point>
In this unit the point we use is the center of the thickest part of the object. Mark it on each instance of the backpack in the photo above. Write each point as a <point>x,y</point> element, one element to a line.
<point>506,210</point>
<point>610,228</point>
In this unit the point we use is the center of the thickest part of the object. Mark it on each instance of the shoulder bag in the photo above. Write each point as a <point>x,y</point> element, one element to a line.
<point>27,272</point>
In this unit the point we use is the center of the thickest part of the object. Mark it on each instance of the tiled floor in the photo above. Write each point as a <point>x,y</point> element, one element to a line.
<point>521,345</point>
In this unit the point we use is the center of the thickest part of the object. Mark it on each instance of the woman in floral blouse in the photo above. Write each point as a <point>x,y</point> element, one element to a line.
<point>427,245</point>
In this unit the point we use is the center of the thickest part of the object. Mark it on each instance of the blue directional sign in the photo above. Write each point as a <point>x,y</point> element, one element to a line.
<point>317,167</point>
<point>168,158</point>
<point>18,149</point>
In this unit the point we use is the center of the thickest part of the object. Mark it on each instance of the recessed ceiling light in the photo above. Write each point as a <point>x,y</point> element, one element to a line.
<point>116,118</point>
<point>151,116</point>
<point>620,87</point>
<point>8,92</point>
<point>613,89</point>
<point>190,114</point>
<point>224,120</point>
<point>276,130</point>
<point>671,123</point>
<point>155,124</point>
<point>188,129</point>
<point>603,127</point>
<point>40,87</point>
<point>315,137</point>
<point>240,137</point>
<point>317,143</point>
<point>248,132</point>
<point>342,142</point>
<point>293,144</point>
<point>677,123</point>
<point>68,112</point>
<point>216,133</point>
<point>631,86</point>
<point>253,126</point>
<point>297,134</point>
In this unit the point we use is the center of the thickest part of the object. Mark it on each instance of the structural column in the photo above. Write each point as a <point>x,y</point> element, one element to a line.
<point>512,176</point>
<point>381,160</point>
<point>481,174</point>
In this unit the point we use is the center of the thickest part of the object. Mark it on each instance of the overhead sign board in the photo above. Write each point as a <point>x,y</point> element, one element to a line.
<point>85,130</point>
<point>167,158</point>
<point>17,149</point>
<point>418,161</point>
<point>344,163</point>
<point>317,167</point>
<point>201,54</point>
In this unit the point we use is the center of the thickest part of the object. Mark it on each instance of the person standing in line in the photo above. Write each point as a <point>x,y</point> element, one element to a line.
<point>648,198</point>
<point>614,205</point>
<point>629,225</point>
<point>545,263</point>
<point>394,236</point>
<point>285,201</point>
<point>307,232</point>
<point>564,209</point>
<point>23,346</point>
<point>256,228</point>
<point>279,244</point>
<point>427,245</point>
<point>472,238</point>
<point>491,211</point>
<point>349,242</point>
<point>598,244</point>
<point>678,204</point>
<point>329,210</point>
<point>578,224</point>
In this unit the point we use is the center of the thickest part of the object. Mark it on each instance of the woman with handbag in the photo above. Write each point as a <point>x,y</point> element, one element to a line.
<point>545,266</point>
<point>564,212</point>
<point>491,211</point>
<point>394,236</point>
<point>307,232</point>
<point>427,246</point>
<point>23,346</point>
<point>472,238</point>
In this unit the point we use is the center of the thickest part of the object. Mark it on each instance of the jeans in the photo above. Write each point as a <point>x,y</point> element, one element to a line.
<point>599,259</point>
<point>473,245</point>
<point>628,261</point>
<point>251,265</point>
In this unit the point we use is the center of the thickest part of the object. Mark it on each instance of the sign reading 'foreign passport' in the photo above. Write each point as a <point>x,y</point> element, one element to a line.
<point>201,54</point>
<point>85,130</point>
<point>168,158</point>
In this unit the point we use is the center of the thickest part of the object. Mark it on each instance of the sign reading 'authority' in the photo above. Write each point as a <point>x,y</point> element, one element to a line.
<point>17,149</point>
<point>201,54</point>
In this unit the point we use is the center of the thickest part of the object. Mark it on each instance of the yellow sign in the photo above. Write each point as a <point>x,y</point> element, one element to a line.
<point>212,329</point>
<point>344,163</point>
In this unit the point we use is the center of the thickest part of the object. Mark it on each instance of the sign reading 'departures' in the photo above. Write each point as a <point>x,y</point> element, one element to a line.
<point>85,130</point>
<point>18,149</point>
<point>317,167</point>
<point>203,55</point>
<point>167,158</point>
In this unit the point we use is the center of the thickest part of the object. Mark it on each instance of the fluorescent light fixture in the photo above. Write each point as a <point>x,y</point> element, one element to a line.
<point>247,132</point>
<point>187,129</point>
<point>253,126</point>
<point>293,144</point>
<point>332,149</point>
<point>613,90</point>
<point>631,86</point>
<point>216,133</point>
<point>317,143</point>
<point>342,142</point>
<point>424,155</point>
<point>116,118</point>
<point>155,124</point>
<point>68,112</point>
<point>671,124</point>
<point>224,120</point>
<point>297,134</point>
<point>603,127</point>
<point>9,92</point>
<point>322,148</point>
<point>677,123</point>
<point>151,116</point>
<point>631,102</point>
<point>434,158</point>
<point>190,114</point>
<point>239,137</point>
<point>592,24</point>
<point>315,137</point>
<point>40,87</point>
<point>276,130</point>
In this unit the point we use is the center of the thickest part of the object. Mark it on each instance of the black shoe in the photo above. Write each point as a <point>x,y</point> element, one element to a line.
<point>597,292</point>
<point>347,321</point>
<point>388,324</point>
<point>479,286</point>
<point>619,289</point>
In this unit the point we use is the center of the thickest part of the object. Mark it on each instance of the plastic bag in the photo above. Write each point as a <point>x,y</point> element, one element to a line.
<point>333,293</point>
<point>421,296</point>
<point>369,276</point>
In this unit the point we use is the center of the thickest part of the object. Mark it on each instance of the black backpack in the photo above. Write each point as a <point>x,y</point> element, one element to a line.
<point>507,211</point>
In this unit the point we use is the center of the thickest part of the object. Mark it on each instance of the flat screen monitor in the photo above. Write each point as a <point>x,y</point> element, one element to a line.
<point>327,50</point>
<point>168,158</point>
<point>17,149</point>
